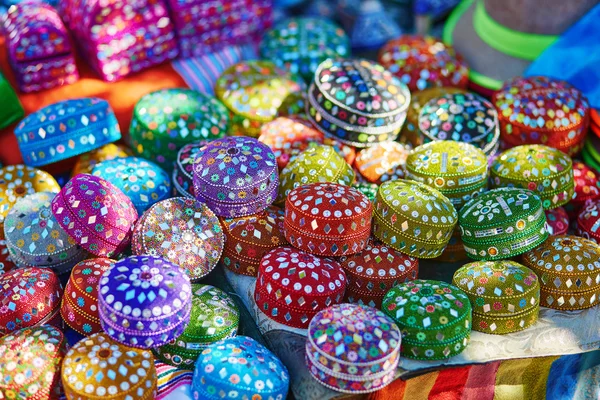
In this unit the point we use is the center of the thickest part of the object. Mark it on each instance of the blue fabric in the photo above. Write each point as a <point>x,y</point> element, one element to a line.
<point>575,57</point>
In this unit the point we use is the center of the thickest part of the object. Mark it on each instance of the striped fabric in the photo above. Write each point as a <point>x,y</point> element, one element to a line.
<point>570,377</point>
<point>170,378</point>
<point>201,73</point>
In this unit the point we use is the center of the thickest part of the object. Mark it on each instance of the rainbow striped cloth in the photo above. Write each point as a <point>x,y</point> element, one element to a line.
<point>570,377</point>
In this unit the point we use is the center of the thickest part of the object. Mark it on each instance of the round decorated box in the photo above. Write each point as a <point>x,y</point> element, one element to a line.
<point>502,223</point>
<point>558,221</point>
<point>541,169</point>
<point>423,62</point>
<point>458,170</point>
<point>30,363</point>
<point>182,231</point>
<point>96,214</point>
<point>16,182</point>
<point>588,222</point>
<point>464,117</point>
<point>214,317</point>
<point>382,162</point>
<point>288,137</point>
<point>166,120</point>
<point>352,348</point>
<point>34,237</point>
<point>542,110</point>
<point>300,44</point>
<point>256,92</point>
<point>413,218</point>
<point>249,238</point>
<point>569,271</point>
<point>455,250</point>
<point>86,162</point>
<point>434,317</point>
<point>318,163</point>
<point>99,368</point>
<point>410,133</point>
<point>144,301</point>
<point>292,285</point>
<point>236,176</point>
<point>66,129</point>
<point>505,295</point>
<point>374,271</point>
<point>357,102</point>
<point>327,219</point>
<point>29,297</point>
<point>239,367</point>
<point>79,306</point>
<point>587,188</point>
<point>183,173</point>
<point>144,182</point>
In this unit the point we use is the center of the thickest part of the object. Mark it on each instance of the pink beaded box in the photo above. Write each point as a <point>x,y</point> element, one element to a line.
<point>207,25</point>
<point>39,47</point>
<point>118,37</point>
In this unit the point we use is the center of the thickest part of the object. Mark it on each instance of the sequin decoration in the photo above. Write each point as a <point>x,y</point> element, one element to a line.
<point>292,285</point>
<point>183,231</point>
<point>300,44</point>
<point>569,271</point>
<point>236,176</point>
<point>327,219</point>
<point>318,163</point>
<point>249,238</point>
<point>30,363</point>
<point>541,169</point>
<point>504,295</point>
<point>144,301</point>
<point>558,221</point>
<point>502,223</point>
<point>413,218</point>
<point>257,92</point>
<point>588,222</point>
<point>422,62</point>
<point>542,110</point>
<point>462,117</point>
<point>368,189</point>
<point>357,102</point>
<point>40,51</point>
<point>382,162</point>
<point>374,271</point>
<point>352,348</point>
<point>288,137</point>
<point>239,368</point>
<point>66,129</point>
<point>34,237</point>
<point>214,317</point>
<point>79,306</point>
<point>98,367</point>
<point>28,297</point>
<point>96,214</point>
<point>434,317</point>
<point>144,182</point>
<point>166,120</point>
<point>16,182</point>
<point>458,170</point>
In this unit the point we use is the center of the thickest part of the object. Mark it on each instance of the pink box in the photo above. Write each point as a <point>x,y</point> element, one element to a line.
<point>39,47</point>
<point>119,37</point>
